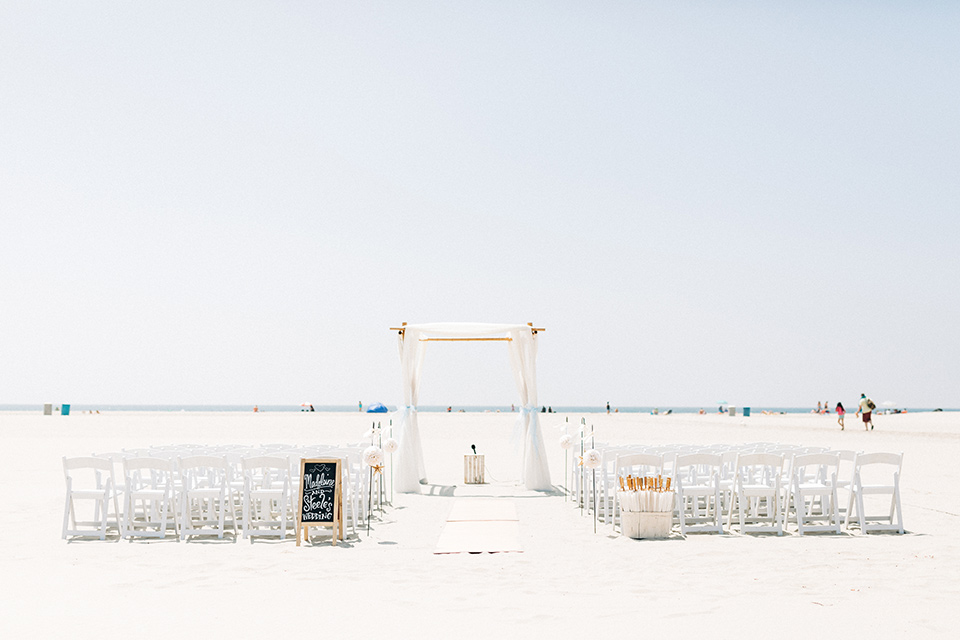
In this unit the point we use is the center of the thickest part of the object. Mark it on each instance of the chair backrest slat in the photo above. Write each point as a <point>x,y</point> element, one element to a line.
<point>88,462</point>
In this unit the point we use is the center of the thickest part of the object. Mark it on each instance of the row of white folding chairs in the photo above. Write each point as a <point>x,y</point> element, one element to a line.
<point>356,488</point>
<point>191,494</point>
<point>195,498</point>
<point>686,471</point>
<point>668,453</point>
<point>762,497</point>
<point>601,486</point>
<point>604,488</point>
<point>810,498</point>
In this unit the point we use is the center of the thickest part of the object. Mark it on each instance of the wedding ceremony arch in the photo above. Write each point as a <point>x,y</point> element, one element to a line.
<point>522,345</point>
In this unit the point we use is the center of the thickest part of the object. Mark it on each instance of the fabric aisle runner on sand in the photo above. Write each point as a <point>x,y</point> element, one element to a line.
<point>481,525</point>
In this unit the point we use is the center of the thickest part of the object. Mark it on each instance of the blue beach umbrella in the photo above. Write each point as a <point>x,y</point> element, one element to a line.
<point>377,408</point>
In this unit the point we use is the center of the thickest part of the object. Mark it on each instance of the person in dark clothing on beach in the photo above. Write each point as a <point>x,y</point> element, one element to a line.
<point>866,408</point>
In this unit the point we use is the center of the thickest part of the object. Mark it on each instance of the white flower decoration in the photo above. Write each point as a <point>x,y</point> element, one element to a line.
<point>373,456</point>
<point>591,459</point>
<point>566,441</point>
<point>390,445</point>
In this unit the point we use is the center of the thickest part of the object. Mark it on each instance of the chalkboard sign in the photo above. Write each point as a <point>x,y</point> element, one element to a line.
<point>321,497</point>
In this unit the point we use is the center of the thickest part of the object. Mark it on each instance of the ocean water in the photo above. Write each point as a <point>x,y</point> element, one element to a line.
<point>271,408</point>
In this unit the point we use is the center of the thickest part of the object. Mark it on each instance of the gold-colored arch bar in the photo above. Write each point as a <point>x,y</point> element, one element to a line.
<point>466,339</point>
<point>532,328</point>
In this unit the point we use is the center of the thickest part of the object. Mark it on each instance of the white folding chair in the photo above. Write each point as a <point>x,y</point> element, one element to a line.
<point>848,459</point>
<point>116,459</point>
<point>150,499</point>
<point>876,474</point>
<point>814,492</point>
<point>756,493</point>
<point>728,472</point>
<point>205,496</point>
<point>698,492</point>
<point>89,480</point>
<point>266,497</point>
<point>607,480</point>
<point>354,479</point>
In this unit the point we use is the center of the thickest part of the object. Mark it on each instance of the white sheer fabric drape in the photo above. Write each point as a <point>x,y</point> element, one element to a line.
<point>535,472</point>
<point>410,468</point>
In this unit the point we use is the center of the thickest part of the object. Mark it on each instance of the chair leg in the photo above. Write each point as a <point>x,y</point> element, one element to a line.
<point>896,493</point>
<point>103,517</point>
<point>745,506</point>
<point>233,512</point>
<point>116,510</point>
<point>778,513</point>
<point>68,503</point>
<point>799,503</point>
<point>835,507</point>
<point>683,509</point>
<point>863,516</point>
<point>125,518</point>
<point>717,510</point>
<point>186,523</point>
<point>221,521</point>
<point>245,522</point>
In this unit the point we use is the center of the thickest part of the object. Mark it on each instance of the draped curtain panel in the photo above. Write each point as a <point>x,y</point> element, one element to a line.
<point>411,472</point>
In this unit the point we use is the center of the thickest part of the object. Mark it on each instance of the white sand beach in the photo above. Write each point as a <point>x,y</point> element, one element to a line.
<point>567,582</point>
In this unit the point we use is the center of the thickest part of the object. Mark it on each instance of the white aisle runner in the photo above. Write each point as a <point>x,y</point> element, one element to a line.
<point>481,525</point>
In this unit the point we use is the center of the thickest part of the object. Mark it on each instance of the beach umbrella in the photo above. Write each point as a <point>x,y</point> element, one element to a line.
<point>378,408</point>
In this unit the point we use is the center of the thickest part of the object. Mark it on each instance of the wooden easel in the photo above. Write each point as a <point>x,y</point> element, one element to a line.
<point>336,525</point>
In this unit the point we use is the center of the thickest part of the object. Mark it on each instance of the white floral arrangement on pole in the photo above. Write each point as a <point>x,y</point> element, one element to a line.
<point>592,459</point>
<point>373,456</point>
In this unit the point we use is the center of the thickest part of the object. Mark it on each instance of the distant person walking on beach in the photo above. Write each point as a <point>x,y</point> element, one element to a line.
<point>360,406</point>
<point>608,406</point>
<point>840,413</point>
<point>866,408</point>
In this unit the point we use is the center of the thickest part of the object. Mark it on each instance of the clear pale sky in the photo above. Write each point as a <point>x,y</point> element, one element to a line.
<point>231,202</point>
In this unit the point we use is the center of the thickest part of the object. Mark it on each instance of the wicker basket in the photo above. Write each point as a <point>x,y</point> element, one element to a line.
<point>646,524</point>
